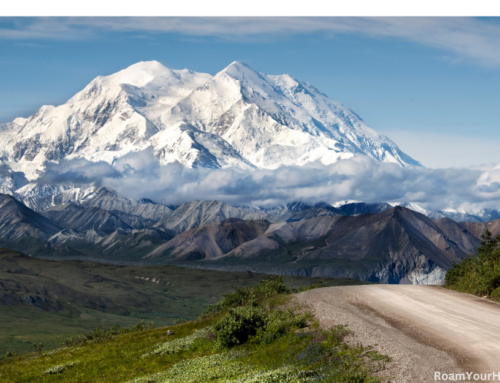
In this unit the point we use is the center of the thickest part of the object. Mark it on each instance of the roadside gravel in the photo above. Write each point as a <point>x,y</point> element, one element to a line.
<point>424,329</point>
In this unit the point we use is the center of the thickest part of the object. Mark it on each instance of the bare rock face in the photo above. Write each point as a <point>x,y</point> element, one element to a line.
<point>18,221</point>
<point>82,218</point>
<point>395,246</point>
<point>210,241</point>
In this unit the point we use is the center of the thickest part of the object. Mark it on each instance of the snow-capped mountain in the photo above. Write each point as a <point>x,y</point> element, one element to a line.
<point>478,215</point>
<point>238,117</point>
<point>481,215</point>
<point>412,206</point>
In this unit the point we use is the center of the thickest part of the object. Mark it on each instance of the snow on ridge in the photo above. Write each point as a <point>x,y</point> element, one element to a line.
<point>345,202</point>
<point>238,117</point>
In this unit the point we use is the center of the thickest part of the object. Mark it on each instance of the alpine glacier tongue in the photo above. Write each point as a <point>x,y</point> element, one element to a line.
<point>238,117</point>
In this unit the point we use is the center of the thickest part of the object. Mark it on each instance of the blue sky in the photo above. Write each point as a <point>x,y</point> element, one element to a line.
<point>432,85</point>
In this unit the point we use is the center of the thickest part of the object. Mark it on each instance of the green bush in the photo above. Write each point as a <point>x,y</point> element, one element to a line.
<point>237,326</point>
<point>252,296</point>
<point>279,323</point>
<point>250,314</point>
<point>313,286</point>
<point>75,340</point>
<point>274,285</point>
<point>479,273</point>
<point>8,355</point>
<point>38,347</point>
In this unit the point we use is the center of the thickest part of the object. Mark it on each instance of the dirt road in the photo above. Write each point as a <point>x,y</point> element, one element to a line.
<point>424,329</point>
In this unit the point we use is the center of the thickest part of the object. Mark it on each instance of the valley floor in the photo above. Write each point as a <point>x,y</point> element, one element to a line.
<point>424,329</point>
<point>46,301</point>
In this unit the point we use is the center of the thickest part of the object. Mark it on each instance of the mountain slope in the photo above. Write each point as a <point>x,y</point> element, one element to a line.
<point>356,208</point>
<point>23,229</point>
<point>126,245</point>
<point>395,246</point>
<point>483,215</point>
<point>199,213</point>
<point>16,221</point>
<point>211,241</point>
<point>138,214</point>
<point>277,120</point>
<point>82,218</point>
<point>238,117</point>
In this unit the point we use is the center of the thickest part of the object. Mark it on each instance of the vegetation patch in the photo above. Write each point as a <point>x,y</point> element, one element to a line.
<point>60,368</point>
<point>256,334</point>
<point>180,344</point>
<point>479,273</point>
<point>100,334</point>
<point>70,298</point>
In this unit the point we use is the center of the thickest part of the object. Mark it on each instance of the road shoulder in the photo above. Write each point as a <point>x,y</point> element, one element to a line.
<point>399,321</point>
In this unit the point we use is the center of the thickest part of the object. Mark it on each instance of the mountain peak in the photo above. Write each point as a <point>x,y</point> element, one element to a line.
<point>240,71</point>
<point>240,117</point>
<point>141,74</point>
<point>147,65</point>
<point>237,65</point>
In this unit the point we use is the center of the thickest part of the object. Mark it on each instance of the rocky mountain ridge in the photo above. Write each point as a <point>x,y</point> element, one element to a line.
<point>145,212</point>
<point>396,245</point>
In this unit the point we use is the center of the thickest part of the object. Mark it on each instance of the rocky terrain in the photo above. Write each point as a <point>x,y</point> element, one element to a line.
<point>393,245</point>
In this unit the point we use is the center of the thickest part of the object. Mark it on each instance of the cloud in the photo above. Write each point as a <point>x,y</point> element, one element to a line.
<point>78,171</point>
<point>471,38</point>
<point>139,175</point>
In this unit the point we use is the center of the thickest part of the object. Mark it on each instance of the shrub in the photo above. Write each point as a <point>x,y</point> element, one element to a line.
<point>479,273</point>
<point>75,340</point>
<point>240,297</point>
<point>116,330</point>
<point>98,335</point>
<point>313,286</point>
<point>9,354</point>
<point>279,323</point>
<point>274,285</point>
<point>239,325</point>
<point>271,286</point>
<point>141,326</point>
<point>38,347</point>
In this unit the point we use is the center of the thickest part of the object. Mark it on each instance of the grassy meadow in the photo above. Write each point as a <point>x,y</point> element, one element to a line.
<point>43,301</point>
<point>254,334</point>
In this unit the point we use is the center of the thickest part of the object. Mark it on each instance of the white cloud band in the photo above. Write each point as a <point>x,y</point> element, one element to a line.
<point>471,38</point>
<point>139,175</point>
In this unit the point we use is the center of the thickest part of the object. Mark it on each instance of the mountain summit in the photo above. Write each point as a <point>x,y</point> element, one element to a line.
<point>239,117</point>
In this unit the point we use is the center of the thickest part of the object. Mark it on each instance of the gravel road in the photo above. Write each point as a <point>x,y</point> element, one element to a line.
<point>424,329</point>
